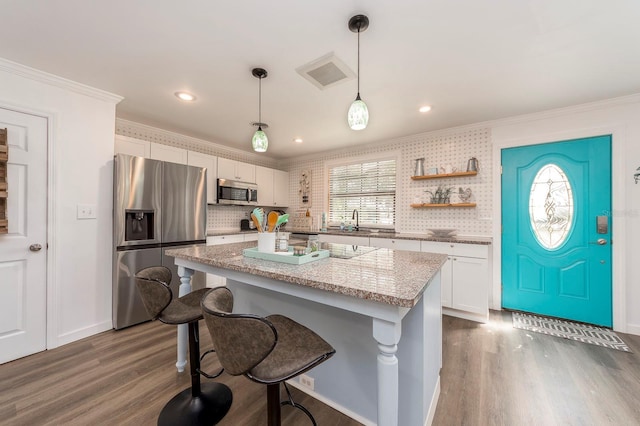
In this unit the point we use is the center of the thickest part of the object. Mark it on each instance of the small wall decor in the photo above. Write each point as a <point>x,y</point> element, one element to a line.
<point>305,188</point>
<point>636,175</point>
<point>4,159</point>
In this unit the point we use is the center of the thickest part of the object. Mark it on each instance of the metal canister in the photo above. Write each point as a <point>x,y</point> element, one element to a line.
<point>419,169</point>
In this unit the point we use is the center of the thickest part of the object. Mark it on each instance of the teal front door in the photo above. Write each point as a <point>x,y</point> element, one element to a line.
<point>556,229</point>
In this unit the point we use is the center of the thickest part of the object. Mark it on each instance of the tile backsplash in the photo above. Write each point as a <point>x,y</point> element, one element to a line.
<point>454,147</point>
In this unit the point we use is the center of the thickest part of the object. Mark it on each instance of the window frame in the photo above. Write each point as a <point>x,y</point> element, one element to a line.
<point>385,156</point>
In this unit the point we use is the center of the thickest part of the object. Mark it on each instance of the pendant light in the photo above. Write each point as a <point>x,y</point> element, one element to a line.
<point>260,142</point>
<point>358,115</point>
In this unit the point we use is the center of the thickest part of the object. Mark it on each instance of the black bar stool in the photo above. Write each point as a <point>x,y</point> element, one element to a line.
<point>202,404</point>
<point>266,350</point>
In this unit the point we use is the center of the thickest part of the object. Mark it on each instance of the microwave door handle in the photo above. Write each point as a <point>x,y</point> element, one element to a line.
<point>248,195</point>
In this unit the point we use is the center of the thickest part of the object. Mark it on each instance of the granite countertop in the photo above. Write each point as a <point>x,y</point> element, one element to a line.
<point>218,232</point>
<point>394,277</point>
<point>461,239</point>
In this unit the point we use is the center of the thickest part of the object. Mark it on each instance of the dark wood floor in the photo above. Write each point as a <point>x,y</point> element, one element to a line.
<point>492,375</point>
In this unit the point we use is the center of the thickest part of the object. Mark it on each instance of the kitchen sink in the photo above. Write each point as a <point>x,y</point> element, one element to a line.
<point>345,251</point>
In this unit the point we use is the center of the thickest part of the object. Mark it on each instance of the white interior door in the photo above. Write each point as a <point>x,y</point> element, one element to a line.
<point>23,278</point>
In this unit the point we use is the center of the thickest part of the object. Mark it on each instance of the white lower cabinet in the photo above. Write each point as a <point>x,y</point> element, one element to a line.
<point>216,280</point>
<point>391,243</point>
<point>464,279</point>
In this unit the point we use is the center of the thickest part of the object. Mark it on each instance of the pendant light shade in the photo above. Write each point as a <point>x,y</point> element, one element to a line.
<point>259,142</point>
<point>358,116</point>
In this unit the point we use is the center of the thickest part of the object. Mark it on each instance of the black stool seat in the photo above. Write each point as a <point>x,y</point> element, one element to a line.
<point>266,350</point>
<point>201,404</point>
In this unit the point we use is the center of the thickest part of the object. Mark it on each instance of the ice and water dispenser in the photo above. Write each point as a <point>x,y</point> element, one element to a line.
<point>139,225</point>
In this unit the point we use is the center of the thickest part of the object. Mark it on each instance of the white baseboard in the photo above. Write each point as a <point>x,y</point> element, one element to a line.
<point>428,421</point>
<point>333,404</point>
<point>633,329</point>
<point>466,315</point>
<point>81,333</point>
<point>434,404</point>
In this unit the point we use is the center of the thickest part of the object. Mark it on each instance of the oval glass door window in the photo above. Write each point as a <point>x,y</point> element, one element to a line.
<point>551,206</point>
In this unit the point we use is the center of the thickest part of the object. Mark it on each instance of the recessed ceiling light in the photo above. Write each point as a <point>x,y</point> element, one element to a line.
<point>297,140</point>
<point>425,108</point>
<point>185,96</point>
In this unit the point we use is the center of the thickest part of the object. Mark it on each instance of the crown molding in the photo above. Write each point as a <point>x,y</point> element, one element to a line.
<point>54,80</point>
<point>563,111</point>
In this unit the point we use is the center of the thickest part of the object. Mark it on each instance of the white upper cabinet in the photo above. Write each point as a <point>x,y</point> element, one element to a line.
<point>280,188</point>
<point>131,146</point>
<point>210,162</point>
<point>168,153</point>
<point>264,180</point>
<point>236,170</point>
<point>273,187</point>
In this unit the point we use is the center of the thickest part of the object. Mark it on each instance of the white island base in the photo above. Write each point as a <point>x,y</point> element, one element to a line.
<point>386,370</point>
<point>372,362</point>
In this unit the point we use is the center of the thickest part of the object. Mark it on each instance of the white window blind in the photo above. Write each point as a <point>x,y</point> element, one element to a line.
<point>369,187</point>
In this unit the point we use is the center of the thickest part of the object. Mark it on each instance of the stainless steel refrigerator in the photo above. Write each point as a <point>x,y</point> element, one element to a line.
<point>157,206</point>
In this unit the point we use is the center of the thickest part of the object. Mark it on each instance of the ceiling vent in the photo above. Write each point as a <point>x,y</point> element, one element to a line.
<point>326,71</point>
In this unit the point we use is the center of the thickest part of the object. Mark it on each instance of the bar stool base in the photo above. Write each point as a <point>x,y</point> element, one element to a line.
<point>208,408</point>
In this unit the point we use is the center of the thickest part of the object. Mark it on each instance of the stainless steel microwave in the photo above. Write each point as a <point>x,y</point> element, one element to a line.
<point>238,193</point>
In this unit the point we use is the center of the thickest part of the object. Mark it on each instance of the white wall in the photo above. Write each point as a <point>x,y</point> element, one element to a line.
<point>619,118</point>
<point>81,134</point>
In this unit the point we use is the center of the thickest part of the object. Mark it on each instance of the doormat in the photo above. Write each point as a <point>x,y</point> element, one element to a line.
<point>569,330</point>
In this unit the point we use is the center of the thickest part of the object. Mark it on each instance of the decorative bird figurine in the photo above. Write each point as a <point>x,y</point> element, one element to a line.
<point>464,194</point>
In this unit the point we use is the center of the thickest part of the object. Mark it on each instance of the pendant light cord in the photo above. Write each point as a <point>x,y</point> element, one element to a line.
<point>259,103</point>
<point>358,60</point>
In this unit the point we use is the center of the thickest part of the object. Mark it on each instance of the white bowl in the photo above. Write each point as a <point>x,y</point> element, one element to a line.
<point>442,233</point>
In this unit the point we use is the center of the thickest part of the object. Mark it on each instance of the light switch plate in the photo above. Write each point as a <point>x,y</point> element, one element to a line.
<point>86,211</point>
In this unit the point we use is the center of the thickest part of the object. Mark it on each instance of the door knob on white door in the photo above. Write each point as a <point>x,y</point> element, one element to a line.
<point>35,247</point>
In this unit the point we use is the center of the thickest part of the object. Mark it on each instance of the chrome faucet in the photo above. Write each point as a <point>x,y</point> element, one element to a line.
<point>355,216</point>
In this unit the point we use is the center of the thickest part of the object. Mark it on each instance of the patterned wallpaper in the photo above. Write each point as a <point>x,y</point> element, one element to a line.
<point>439,149</point>
<point>453,147</point>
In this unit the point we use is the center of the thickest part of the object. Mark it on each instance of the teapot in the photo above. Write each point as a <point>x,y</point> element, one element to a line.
<point>472,165</point>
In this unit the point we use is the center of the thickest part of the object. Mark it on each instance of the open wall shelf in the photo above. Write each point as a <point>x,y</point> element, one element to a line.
<point>443,205</point>
<point>444,175</point>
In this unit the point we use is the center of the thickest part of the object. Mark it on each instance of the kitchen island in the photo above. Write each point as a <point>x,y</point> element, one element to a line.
<point>362,304</point>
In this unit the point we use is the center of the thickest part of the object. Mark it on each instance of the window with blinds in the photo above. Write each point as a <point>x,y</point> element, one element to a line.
<point>369,187</point>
